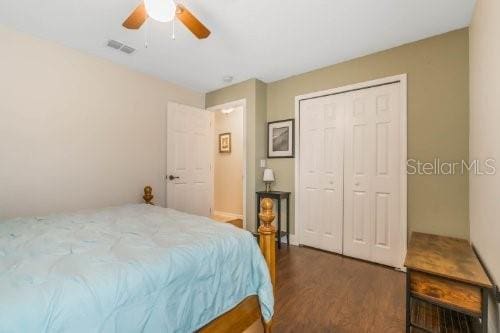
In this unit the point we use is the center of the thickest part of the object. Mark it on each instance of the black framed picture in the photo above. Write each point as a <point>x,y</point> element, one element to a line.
<point>280,139</point>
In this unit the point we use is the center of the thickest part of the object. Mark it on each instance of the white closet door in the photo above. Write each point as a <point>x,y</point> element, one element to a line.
<point>321,175</point>
<point>189,149</point>
<point>372,175</point>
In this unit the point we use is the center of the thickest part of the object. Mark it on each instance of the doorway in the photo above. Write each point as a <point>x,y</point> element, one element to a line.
<point>229,163</point>
<point>351,170</point>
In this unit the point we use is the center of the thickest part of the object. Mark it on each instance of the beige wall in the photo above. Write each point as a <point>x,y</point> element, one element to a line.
<point>485,138</point>
<point>228,167</point>
<point>77,131</point>
<point>438,93</point>
<point>254,92</point>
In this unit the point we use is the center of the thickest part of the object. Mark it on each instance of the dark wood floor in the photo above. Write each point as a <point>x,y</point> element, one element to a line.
<point>323,292</point>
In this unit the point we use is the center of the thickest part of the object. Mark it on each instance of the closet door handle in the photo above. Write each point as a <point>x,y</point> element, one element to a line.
<point>172,177</point>
<point>357,183</point>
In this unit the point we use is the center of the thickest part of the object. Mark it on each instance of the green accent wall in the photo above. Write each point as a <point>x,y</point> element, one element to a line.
<point>438,121</point>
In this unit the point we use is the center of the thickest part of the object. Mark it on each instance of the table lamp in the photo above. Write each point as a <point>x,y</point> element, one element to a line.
<point>268,178</point>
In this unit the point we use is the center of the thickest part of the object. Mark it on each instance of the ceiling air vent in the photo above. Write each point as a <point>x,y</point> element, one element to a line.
<point>127,49</point>
<point>120,46</point>
<point>114,44</point>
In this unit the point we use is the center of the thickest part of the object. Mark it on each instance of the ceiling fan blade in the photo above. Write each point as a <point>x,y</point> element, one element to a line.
<point>191,22</point>
<point>137,18</point>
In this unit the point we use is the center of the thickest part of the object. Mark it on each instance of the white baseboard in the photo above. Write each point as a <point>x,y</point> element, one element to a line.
<point>236,216</point>
<point>293,240</point>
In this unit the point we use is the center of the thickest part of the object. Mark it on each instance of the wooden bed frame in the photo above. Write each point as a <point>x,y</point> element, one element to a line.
<point>248,311</point>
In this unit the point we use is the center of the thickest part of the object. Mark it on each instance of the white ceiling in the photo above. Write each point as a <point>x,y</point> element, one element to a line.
<point>264,39</point>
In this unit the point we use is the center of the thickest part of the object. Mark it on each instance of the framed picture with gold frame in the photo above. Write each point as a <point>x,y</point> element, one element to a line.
<point>225,143</point>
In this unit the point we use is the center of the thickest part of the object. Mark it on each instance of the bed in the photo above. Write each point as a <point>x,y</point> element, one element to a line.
<point>135,268</point>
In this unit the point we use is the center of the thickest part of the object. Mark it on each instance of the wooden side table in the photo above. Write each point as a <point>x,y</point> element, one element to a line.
<point>279,196</point>
<point>446,286</point>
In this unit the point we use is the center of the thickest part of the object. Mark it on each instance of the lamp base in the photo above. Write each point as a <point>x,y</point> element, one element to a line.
<point>268,186</point>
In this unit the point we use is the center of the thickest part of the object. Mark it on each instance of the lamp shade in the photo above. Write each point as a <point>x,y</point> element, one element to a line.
<point>268,175</point>
<point>160,10</point>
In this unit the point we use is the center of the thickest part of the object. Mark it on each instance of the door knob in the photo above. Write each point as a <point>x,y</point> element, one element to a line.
<point>172,177</point>
<point>357,183</point>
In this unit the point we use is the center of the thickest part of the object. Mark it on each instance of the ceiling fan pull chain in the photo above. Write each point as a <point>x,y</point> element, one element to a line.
<point>146,35</point>
<point>173,29</point>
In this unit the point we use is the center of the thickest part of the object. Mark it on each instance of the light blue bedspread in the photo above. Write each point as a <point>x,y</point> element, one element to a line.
<point>136,268</point>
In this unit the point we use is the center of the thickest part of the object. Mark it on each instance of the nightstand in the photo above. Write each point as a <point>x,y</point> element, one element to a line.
<point>278,196</point>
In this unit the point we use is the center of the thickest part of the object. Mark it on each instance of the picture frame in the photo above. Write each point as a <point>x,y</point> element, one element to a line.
<point>281,139</point>
<point>225,143</point>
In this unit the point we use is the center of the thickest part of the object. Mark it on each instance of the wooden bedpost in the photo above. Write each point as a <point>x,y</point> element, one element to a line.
<point>267,241</point>
<point>148,195</point>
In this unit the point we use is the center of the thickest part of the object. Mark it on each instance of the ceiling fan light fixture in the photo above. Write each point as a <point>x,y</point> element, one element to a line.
<point>161,10</point>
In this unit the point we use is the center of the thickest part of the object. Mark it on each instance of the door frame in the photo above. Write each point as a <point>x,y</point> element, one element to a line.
<point>402,79</point>
<point>233,104</point>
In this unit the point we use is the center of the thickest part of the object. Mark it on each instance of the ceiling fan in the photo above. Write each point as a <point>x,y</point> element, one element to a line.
<point>165,11</point>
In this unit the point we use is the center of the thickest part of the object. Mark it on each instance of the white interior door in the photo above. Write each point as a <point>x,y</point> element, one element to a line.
<point>372,175</point>
<point>321,175</point>
<point>189,159</point>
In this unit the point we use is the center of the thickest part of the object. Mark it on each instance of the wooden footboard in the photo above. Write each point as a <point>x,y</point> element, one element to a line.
<point>267,242</point>
<point>248,311</point>
<point>267,237</point>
